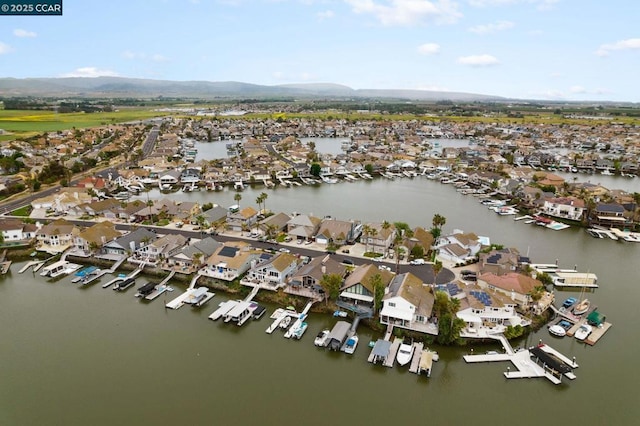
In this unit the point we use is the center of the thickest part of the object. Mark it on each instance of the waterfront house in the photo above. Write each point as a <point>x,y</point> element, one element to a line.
<point>272,273</point>
<point>230,261</point>
<point>357,292</point>
<point>241,220</point>
<point>608,215</point>
<point>57,236</point>
<point>95,236</point>
<point>159,249</point>
<point>103,208</point>
<point>16,230</point>
<point>338,232</point>
<point>306,280</point>
<point>571,208</point>
<point>189,258</point>
<point>517,287</point>
<point>458,247</point>
<point>303,226</point>
<point>486,311</point>
<point>500,262</point>
<point>129,243</point>
<point>216,214</point>
<point>274,224</point>
<point>408,304</point>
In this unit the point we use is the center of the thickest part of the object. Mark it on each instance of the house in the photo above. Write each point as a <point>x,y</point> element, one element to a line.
<point>104,208</point>
<point>338,232</point>
<point>16,230</point>
<point>230,261</point>
<point>487,311</point>
<point>570,208</point>
<point>517,287</point>
<point>608,215</point>
<point>274,224</point>
<point>378,237</point>
<point>459,247</point>
<point>216,214</point>
<point>129,243</point>
<point>357,293</point>
<point>95,236</point>
<point>192,256</point>
<point>306,281</point>
<point>57,236</point>
<point>303,226</point>
<point>159,249</point>
<point>499,262</point>
<point>272,273</point>
<point>62,201</point>
<point>241,220</point>
<point>408,304</point>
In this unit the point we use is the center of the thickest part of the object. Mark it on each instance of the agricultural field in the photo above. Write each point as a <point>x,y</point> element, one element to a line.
<point>24,123</point>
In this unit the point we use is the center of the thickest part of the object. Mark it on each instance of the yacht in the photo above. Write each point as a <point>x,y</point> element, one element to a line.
<point>321,338</point>
<point>350,346</point>
<point>405,353</point>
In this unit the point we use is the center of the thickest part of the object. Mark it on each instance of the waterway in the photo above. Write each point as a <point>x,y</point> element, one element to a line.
<point>93,356</point>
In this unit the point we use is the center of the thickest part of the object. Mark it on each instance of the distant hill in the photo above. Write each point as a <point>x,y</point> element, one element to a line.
<point>145,88</point>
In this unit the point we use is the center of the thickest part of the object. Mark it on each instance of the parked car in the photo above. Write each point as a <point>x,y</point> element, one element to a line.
<point>417,262</point>
<point>347,261</point>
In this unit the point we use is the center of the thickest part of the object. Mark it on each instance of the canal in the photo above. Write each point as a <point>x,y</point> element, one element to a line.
<point>93,356</point>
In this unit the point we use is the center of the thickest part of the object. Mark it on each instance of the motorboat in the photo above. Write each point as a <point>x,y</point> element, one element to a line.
<point>321,338</point>
<point>340,314</point>
<point>285,322</point>
<point>569,302</point>
<point>405,353</point>
<point>582,307</point>
<point>583,331</point>
<point>557,330</point>
<point>350,346</point>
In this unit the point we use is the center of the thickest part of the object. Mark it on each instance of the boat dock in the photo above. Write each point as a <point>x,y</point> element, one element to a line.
<point>223,309</point>
<point>161,287</point>
<point>417,355</point>
<point>278,316</point>
<point>554,364</point>
<point>193,296</point>
<point>178,301</point>
<point>393,351</point>
<point>298,322</point>
<point>597,333</point>
<point>30,264</point>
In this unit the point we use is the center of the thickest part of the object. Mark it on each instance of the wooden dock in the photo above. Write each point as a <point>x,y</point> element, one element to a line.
<point>417,354</point>
<point>4,267</point>
<point>160,288</point>
<point>393,351</point>
<point>30,264</point>
<point>597,333</point>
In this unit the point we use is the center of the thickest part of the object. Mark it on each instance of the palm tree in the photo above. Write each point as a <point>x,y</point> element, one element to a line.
<point>438,221</point>
<point>264,197</point>
<point>237,199</point>
<point>366,230</point>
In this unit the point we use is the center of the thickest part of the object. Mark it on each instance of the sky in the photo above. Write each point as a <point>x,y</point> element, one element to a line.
<point>580,50</point>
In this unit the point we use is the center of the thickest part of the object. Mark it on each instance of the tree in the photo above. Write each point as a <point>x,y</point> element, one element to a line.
<point>331,284</point>
<point>378,291</point>
<point>237,199</point>
<point>437,267</point>
<point>366,230</point>
<point>315,169</point>
<point>449,325</point>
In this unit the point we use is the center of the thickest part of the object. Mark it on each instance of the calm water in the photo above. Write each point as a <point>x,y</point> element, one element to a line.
<point>92,356</point>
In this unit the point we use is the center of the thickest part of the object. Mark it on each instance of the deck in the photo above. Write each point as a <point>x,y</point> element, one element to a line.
<point>393,351</point>
<point>417,355</point>
<point>223,309</point>
<point>597,333</point>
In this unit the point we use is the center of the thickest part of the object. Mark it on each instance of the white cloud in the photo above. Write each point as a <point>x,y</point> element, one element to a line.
<point>4,48</point>
<point>24,33</point>
<point>492,28</point>
<point>429,48</point>
<point>408,12</point>
<point>90,72</point>
<point>478,60</point>
<point>577,89</point>
<point>628,44</point>
<point>327,14</point>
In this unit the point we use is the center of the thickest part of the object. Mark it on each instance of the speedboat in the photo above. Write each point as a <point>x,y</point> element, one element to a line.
<point>583,332</point>
<point>340,314</point>
<point>351,344</point>
<point>557,330</point>
<point>321,338</point>
<point>569,302</point>
<point>582,307</point>
<point>405,353</point>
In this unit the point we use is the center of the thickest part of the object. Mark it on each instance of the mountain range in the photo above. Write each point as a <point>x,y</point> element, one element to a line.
<point>119,87</point>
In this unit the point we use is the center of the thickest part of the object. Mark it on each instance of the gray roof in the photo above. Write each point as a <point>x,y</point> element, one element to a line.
<point>138,235</point>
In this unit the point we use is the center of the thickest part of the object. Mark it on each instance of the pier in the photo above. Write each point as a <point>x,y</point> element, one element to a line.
<point>417,355</point>
<point>223,309</point>
<point>161,287</point>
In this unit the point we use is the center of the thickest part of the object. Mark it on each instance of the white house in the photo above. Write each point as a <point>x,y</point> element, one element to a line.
<point>272,273</point>
<point>571,208</point>
<point>408,304</point>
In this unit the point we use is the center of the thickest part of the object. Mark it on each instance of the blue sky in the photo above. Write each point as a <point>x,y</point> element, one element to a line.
<point>529,49</point>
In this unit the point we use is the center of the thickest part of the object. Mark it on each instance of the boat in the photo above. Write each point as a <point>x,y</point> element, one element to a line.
<point>405,353</point>
<point>582,307</point>
<point>299,331</point>
<point>340,314</point>
<point>321,338</point>
<point>569,302</point>
<point>583,332</point>
<point>350,346</point>
<point>557,330</point>
<point>285,322</point>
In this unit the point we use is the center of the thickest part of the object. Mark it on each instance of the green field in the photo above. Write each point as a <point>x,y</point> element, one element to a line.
<point>28,123</point>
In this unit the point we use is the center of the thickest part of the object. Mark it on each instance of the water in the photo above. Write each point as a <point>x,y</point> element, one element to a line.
<point>93,356</point>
